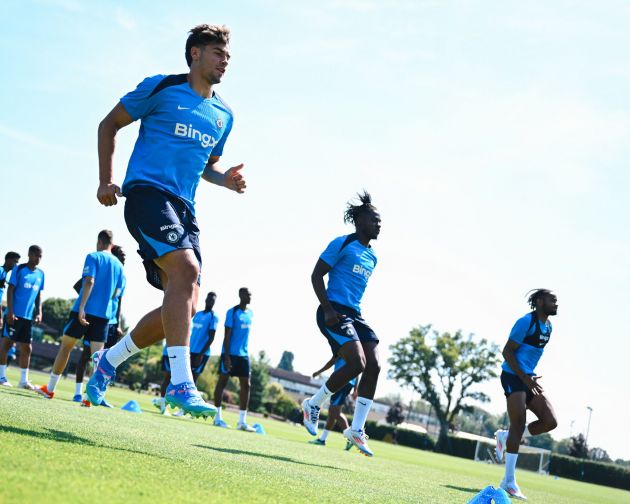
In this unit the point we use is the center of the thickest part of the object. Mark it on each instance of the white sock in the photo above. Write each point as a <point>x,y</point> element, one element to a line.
<point>52,382</point>
<point>121,351</point>
<point>23,375</point>
<point>218,417</point>
<point>179,358</point>
<point>320,396</point>
<point>361,410</point>
<point>78,388</point>
<point>510,467</point>
<point>3,371</point>
<point>324,435</point>
<point>526,433</point>
<point>242,416</point>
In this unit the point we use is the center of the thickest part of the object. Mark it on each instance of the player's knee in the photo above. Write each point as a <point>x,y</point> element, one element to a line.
<point>551,423</point>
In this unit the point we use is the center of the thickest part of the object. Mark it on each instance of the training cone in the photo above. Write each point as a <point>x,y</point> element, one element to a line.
<point>259,428</point>
<point>501,496</point>
<point>491,495</point>
<point>132,406</point>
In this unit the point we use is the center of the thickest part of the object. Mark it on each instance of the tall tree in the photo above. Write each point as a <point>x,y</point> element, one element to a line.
<point>443,368</point>
<point>578,447</point>
<point>260,378</point>
<point>286,361</point>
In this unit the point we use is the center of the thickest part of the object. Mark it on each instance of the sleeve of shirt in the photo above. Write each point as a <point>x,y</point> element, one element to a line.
<point>332,254</point>
<point>14,278</point>
<point>139,102</point>
<point>89,267</point>
<point>519,331</point>
<point>43,279</point>
<point>218,148</point>
<point>228,318</point>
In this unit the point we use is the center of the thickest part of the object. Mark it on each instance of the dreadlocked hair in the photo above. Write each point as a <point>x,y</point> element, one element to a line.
<point>353,211</point>
<point>535,295</point>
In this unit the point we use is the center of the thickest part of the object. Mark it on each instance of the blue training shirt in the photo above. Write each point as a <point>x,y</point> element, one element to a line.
<point>108,275</point>
<point>202,323</point>
<point>352,265</point>
<point>179,131</point>
<point>240,322</point>
<point>3,281</point>
<point>532,339</point>
<point>28,284</point>
<point>116,302</point>
<point>339,363</point>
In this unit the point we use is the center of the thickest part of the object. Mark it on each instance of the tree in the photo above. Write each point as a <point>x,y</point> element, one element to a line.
<point>443,368</point>
<point>395,414</point>
<point>259,380</point>
<point>599,455</point>
<point>55,312</point>
<point>286,361</point>
<point>544,441</point>
<point>578,447</point>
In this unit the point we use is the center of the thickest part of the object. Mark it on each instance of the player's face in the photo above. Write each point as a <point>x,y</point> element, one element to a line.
<point>550,304</point>
<point>210,300</point>
<point>369,224</point>
<point>246,296</point>
<point>213,61</point>
<point>34,258</point>
<point>11,263</point>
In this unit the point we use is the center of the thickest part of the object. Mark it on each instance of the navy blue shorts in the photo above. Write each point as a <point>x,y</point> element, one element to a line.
<point>351,328</point>
<point>112,337</point>
<point>160,223</point>
<point>512,383</point>
<point>95,332</point>
<point>21,331</point>
<point>339,397</point>
<point>194,357</point>
<point>240,366</point>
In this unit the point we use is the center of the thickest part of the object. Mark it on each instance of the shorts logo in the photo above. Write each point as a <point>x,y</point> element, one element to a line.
<point>219,123</point>
<point>172,237</point>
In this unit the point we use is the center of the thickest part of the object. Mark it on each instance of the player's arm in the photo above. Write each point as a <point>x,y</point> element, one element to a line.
<point>317,279</point>
<point>328,365</point>
<point>231,179</point>
<point>227,362</point>
<point>38,309</point>
<point>119,331</point>
<point>88,285</point>
<point>510,357</point>
<point>10,314</point>
<point>107,129</point>
<point>210,339</point>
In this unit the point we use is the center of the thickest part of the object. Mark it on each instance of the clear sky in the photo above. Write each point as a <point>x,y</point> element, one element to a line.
<point>492,135</point>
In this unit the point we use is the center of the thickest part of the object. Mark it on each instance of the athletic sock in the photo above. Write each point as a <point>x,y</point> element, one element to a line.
<point>510,467</point>
<point>179,359</point>
<point>324,435</point>
<point>121,351</point>
<point>52,382</point>
<point>218,417</point>
<point>78,388</point>
<point>23,375</point>
<point>3,371</point>
<point>320,396</point>
<point>361,410</point>
<point>242,416</point>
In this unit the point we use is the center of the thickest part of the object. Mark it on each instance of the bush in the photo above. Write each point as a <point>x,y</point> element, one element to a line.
<point>460,447</point>
<point>589,471</point>
<point>403,437</point>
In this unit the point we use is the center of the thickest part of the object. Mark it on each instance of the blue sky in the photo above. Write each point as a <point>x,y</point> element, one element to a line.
<point>492,135</point>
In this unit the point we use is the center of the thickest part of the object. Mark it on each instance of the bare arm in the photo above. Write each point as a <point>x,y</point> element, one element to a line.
<point>508,354</point>
<point>88,285</point>
<point>108,128</point>
<point>227,362</point>
<point>328,365</point>
<point>10,314</point>
<point>231,179</point>
<point>38,309</point>
<point>317,279</point>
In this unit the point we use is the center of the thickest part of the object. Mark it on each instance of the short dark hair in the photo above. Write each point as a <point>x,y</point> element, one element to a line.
<point>119,253</point>
<point>353,211</point>
<point>211,293</point>
<point>203,34</point>
<point>34,248</point>
<point>11,255</point>
<point>106,237</point>
<point>535,295</point>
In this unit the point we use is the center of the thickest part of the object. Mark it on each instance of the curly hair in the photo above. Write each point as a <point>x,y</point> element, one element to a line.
<point>353,211</point>
<point>535,295</point>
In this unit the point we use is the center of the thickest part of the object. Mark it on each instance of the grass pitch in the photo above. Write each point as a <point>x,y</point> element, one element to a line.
<point>56,451</point>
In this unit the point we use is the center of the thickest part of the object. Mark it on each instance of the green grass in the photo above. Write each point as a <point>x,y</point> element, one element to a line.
<point>55,451</point>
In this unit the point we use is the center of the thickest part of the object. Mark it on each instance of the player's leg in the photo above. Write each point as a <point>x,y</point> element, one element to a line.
<point>517,413</point>
<point>66,345</point>
<point>80,372</point>
<point>160,402</point>
<point>547,421</point>
<point>333,414</point>
<point>218,395</point>
<point>242,369</point>
<point>24,361</point>
<point>5,345</point>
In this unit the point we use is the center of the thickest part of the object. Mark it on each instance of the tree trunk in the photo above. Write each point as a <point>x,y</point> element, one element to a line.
<point>442,443</point>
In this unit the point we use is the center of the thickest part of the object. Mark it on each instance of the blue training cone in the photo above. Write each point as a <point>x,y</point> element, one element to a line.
<point>501,496</point>
<point>259,428</point>
<point>490,495</point>
<point>132,406</point>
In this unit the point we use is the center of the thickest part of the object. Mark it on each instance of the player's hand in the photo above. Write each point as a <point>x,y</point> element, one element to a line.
<point>227,364</point>
<point>38,319</point>
<point>533,385</point>
<point>119,333</point>
<point>11,318</point>
<point>107,193</point>
<point>331,317</point>
<point>233,179</point>
<point>315,374</point>
<point>355,393</point>
<point>1,323</point>
<point>81,317</point>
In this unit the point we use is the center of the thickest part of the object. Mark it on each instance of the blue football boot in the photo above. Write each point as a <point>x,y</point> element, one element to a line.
<point>103,374</point>
<point>186,397</point>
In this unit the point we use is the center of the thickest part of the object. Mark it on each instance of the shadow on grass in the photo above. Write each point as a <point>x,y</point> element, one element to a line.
<point>68,437</point>
<point>264,455</point>
<point>463,489</point>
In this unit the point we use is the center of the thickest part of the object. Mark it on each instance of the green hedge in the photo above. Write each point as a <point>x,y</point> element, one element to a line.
<point>403,437</point>
<point>460,447</point>
<point>592,472</point>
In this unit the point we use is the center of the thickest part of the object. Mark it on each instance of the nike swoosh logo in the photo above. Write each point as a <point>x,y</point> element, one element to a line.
<point>362,403</point>
<point>179,107</point>
<point>172,356</point>
<point>128,350</point>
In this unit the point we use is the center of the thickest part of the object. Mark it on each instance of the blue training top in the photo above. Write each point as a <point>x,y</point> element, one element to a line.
<point>352,265</point>
<point>3,280</point>
<point>200,338</point>
<point>116,302</point>
<point>533,335</point>
<point>179,131</point>
<point>240,322</point>
<point>109,278</point>
<point>28,284</point>
<point>339,363</point>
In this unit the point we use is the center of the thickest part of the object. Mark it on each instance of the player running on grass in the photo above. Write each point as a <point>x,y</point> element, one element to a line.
<point>349,262</point>
<point>184,127</point>
<point>337,400</point>
<point>10,261</point>
<point>522,352</point>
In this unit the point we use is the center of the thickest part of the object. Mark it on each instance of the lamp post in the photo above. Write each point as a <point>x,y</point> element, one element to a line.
<point>588,426</point>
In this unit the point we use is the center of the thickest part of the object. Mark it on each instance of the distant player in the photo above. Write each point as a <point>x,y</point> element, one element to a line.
<point>204,328</point>
<point>24,308</point>
<point>522,352</point>
<point>235,358</point>
<point>114,331</point>
<point>103,281</point>
<point>337,401</point>
<point>184,127</point>
<point>10,261</point>
<point>349,262</point>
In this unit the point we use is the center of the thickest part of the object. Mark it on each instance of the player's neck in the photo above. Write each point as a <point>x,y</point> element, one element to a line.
<point>242,306</point>
<point>543,317</point>
<point>199,85</point>
<point>31,266</point>
<point>363,240</point>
